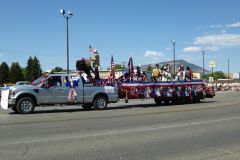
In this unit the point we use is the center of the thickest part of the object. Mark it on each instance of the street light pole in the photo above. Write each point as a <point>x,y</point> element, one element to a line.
<point>67,48</point>
<point>203,53</point>
<point>67,15</point>
<point>174,44</point>
<point>228,70</point>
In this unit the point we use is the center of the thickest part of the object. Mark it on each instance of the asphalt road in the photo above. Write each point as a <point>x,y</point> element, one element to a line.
<point>139,130</point>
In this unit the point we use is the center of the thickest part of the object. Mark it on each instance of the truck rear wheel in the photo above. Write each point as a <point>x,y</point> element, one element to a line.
<point>87,107</point>
<point>25,105</point>
<point>100,102</point>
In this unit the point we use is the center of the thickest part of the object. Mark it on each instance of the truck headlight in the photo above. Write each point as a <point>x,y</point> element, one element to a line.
<point>11,93</point>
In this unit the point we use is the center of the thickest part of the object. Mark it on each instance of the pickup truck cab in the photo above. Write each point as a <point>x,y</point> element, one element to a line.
<point>51,89</point>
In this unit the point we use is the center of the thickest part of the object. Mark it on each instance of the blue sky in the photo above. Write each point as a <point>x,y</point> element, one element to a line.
<point>143,28</point>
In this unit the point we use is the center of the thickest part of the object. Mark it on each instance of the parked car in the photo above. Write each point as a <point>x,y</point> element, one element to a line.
<point>22,83</point>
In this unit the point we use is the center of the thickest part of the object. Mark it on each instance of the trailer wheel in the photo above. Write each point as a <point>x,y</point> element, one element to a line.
<point>196,99</point>
<point>87,106</point>
<point>166,101</point>
<point>181,100</point>
<point>25,105</point>
<point>189,100</point>
<point>174,99</point>
<point>100,102</point>
<point>158,101</point>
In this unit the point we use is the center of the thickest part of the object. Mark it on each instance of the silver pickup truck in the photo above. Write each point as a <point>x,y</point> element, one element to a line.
<point>52,89</point>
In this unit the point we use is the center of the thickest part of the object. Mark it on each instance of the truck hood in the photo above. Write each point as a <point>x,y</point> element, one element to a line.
<point>24,87</point>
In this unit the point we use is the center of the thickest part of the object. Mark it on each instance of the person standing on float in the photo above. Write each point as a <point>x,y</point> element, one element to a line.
<point>96,63</point>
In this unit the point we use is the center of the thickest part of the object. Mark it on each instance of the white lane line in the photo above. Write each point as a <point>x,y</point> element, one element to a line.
<point>121,131</point>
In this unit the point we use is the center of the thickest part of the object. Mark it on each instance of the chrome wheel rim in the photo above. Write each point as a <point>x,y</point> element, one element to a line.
<point>101,103</point>
<point>26,106</point>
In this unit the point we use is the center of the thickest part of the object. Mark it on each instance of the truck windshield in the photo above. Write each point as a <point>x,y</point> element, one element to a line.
<point>39,81</point>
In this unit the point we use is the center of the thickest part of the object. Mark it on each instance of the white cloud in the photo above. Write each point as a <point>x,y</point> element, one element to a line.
<point>191,49</point>
<point>2,54</point>
<point>153,55</point>
<point>216,26</point>
<point>168,49</point>
<point>223,31</point>
<point>218,41</point>
<point>233,25</point>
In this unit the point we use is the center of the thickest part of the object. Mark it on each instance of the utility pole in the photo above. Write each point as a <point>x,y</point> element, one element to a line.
<point>228,70</point>
<point>174,65</point>
<point>203,53</point>
<point>67,15</point>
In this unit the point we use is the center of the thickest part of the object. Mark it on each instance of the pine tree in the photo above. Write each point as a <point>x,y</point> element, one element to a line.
<point>37,71</point>
<point>29,70</point>
<point>149,68</point>
<point>16,73</point>
<point>57,69</point>
<point>33,69</point>
<point>4,73</point>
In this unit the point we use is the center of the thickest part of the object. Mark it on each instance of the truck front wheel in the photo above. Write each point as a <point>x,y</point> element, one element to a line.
<point>100,102</point>
<point>25,105</point>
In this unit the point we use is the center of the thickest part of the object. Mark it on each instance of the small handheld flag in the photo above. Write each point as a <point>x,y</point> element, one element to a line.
<point>90,48</point>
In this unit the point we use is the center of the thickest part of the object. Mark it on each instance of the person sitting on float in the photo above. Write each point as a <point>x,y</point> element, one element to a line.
<point>166,76</point>
<point>156,73</point>
<point>181,73</point>
<point>144,77</point>
<point>188,74</point>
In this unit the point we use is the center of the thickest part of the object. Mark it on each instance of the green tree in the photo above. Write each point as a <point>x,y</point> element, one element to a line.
<point>149,67</point>
<point>16,73</point>
<point>216,75</point>
<point>29,70</point>
<point>118,66</point>
<point>37,70</point>
<point>4,73</point>
<point>33,69</point>
<point>57,69</point>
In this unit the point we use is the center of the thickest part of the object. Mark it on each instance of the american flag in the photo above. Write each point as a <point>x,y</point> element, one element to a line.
<point>90,48</point>
<point>112,69</point>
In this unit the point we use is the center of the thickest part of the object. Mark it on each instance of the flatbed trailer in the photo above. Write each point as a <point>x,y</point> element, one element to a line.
<point>171,92</point>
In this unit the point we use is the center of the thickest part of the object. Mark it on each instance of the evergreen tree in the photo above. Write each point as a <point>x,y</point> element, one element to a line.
<point>149,67</point>
<point>118,66</point>
<point>37,71</point>
<point>4,73</point>
<point>29,70</point>
<point>57,69</point>
<point>16,73</point>
<point>33,69</point>
<point>216,75</point>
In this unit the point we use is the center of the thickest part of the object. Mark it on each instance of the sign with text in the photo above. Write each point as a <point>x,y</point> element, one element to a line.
<point>210,79</point>
<point>212,64</point>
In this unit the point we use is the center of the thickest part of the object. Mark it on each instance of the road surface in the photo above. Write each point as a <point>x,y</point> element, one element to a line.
<point>139,130</point>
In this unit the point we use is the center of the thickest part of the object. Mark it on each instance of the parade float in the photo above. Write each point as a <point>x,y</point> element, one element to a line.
<point>169,92</point>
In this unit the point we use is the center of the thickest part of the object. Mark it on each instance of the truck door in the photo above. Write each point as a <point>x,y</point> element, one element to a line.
<point>77,83</point>
<point>53,91</point>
